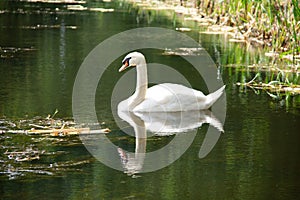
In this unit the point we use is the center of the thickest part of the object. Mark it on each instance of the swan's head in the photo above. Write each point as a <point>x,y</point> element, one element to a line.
<point>132,60</point>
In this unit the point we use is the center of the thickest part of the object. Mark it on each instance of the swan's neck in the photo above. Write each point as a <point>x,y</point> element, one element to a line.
<point>141,85</point>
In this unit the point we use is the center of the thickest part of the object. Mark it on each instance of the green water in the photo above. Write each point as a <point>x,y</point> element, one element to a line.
<point>256,158</point>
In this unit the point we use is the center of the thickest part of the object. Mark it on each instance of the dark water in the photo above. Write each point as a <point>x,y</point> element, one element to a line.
<point>42,49</point>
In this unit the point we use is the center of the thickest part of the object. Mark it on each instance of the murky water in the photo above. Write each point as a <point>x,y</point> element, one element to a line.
<point>41,51</point>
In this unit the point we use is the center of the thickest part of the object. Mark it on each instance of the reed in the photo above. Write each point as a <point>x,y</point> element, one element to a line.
<point>273,23</point>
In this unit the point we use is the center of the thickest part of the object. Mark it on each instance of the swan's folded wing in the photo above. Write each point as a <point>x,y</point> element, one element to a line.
<point>170,97</point>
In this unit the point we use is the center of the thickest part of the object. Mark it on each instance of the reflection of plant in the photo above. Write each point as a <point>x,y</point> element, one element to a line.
<point>252,69</point>
<point>278,84</point>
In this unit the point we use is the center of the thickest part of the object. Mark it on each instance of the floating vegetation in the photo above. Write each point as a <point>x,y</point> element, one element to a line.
<point>184,51</point>
<point>30,146</point>
<point>16,170</point>
<point>46,126</point>
<point>76,7</point>
<point>55,1</point>
<point>41,26</point>
<point>266,68</point>
<point>102,9</point>
<point>183,29</point>
<point>217,29</point>
<point>10,52</point>
<point>277,87</point>
<point>277,83</point>
<point>82,8</point>
<point>55,7</point>
<point>28,154</point>
<point>22,156</point>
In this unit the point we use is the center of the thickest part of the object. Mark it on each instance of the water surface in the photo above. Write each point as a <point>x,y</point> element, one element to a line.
<point>41,51</point>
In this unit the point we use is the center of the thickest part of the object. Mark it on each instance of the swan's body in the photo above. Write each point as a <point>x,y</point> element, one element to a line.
<point>166,97</point>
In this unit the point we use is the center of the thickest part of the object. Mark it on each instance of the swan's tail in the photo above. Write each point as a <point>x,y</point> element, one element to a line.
<point>213,97</point>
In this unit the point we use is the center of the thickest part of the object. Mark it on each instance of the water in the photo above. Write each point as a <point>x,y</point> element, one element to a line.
<point>256,158</point>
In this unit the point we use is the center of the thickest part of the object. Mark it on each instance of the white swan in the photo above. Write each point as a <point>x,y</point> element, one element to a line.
<point>166,97</point>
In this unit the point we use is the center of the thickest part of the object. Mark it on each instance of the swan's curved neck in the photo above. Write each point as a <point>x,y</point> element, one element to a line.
<point>141,84</point>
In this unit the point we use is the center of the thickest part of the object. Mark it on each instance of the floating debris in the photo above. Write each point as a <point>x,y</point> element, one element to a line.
<point>43,146</point>
<point>265,68</point>
<point>217,29</point>
<point>41,26</point>
<point>10,52</point>
<point>76,7</point>
<point>48,126</point>
<point>27,155</point>
<point>183,29</point>
<point>82,8</point>
<point>102,9</point>
<point>184,51</point>
<point>67,131</point>
<point>20,169</point>
<point>56,1</point>
<point>277,87</point>
<point>42,130</point>
<point>36,171</point>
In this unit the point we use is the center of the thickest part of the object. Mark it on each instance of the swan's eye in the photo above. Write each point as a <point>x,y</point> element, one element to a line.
<point>126,61</point>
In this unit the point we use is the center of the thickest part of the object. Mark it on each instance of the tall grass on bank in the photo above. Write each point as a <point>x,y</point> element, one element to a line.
<point>273,23</point>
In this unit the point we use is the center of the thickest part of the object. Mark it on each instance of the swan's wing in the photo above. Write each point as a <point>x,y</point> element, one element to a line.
<point>170,97</point>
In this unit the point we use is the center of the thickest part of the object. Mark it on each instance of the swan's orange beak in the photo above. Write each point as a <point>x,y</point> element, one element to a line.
<point>124,66</point>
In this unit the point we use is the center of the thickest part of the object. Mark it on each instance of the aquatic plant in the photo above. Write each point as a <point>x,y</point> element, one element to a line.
<point>272,23</point>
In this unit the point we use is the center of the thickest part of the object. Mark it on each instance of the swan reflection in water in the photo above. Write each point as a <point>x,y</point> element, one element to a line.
<point>165,124</point>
